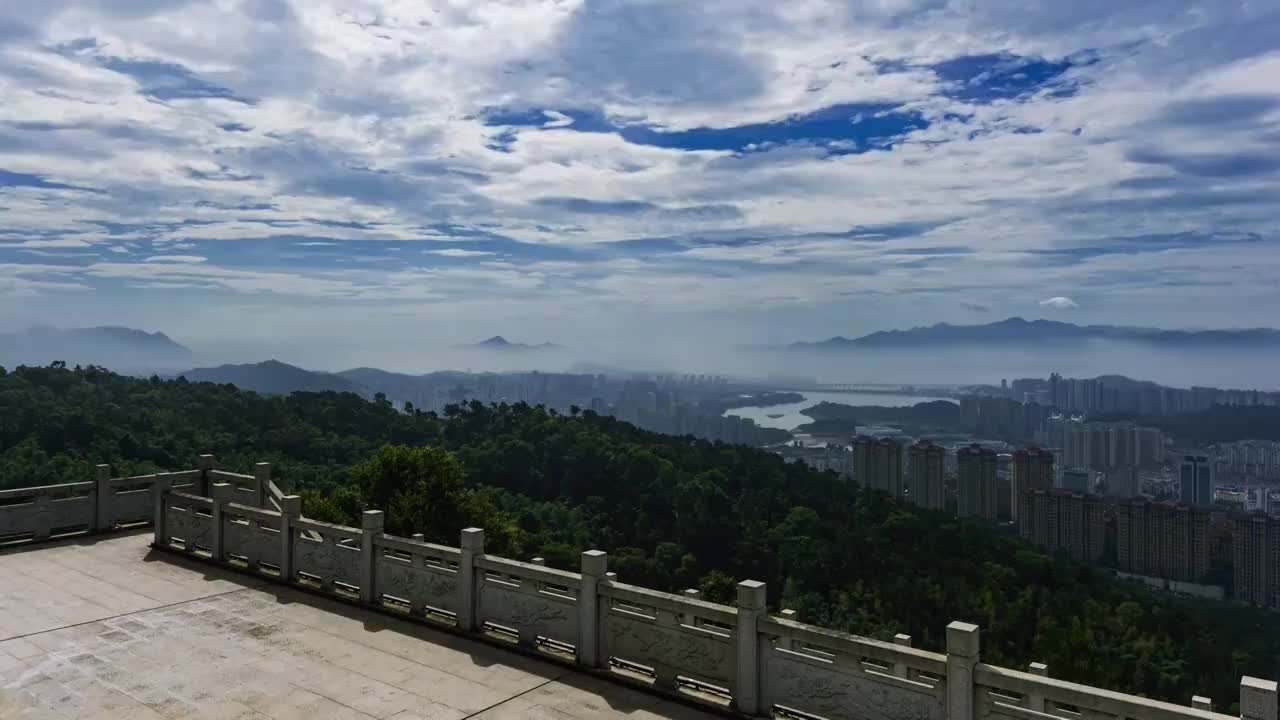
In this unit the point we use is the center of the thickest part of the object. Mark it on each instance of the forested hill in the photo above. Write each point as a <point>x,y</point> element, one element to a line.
<point>673,512</point>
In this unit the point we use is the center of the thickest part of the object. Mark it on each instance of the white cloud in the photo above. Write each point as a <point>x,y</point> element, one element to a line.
<point>185,259</point>
<point>367,125</point>
<point>1059,303</point>
<point>459,252</point>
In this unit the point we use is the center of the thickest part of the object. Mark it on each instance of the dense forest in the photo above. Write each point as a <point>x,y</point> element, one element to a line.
<point>673,512</point>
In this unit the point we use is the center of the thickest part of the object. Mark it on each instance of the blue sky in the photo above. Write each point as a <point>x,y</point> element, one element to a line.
<point>596,173</point>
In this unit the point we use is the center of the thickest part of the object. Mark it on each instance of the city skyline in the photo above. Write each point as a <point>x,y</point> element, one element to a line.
<point>695,170</point>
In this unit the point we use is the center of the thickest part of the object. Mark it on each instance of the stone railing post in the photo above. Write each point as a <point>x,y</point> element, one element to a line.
<point>290,510</point>
<point>962,657</point>
<point>689,618</point>
<point>159,491</point>
<point>789,643</point>
<point>218,493</point>
<point>1257,699</point>
<point>1200,702</point>
<point>900,669</point>
<point>751,607</point>
<point>472,545</point>
<point>372,524</point>
<point>261,481</point>
<point>102,496</point>
<point>204,463</point>
<point>43,512</point>
<point>595,563</point>
<point>1036,702</point>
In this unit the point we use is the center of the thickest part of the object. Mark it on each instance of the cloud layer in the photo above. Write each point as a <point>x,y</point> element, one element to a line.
<point>737,170</point>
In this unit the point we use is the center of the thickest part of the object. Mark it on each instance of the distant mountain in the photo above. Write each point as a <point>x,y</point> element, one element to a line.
<point>1016,330</point>
<point>497,343</point>
<point>273,378</point>
<point>119,348</point>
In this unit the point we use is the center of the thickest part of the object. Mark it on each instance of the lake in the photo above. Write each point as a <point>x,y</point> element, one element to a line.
<point>790,417</point>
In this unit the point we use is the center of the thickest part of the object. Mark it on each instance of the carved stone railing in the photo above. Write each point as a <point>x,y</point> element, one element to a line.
<point>100,505</point>
<point>740,657</point>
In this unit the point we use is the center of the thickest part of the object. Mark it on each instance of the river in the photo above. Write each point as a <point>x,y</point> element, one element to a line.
<point>789,417</point>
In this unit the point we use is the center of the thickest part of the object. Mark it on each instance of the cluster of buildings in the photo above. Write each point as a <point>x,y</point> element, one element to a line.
<point>1117,394</point>
<point>1179,543</point>
<point>676,404</point>
<point>1247,460</point>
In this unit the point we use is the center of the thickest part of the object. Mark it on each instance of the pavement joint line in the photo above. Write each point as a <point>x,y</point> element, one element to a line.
<point>125,614</point>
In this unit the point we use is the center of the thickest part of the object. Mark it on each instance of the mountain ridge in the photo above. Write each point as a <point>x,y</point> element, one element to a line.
<point>499,343</point>
<point>109,345</point>
<point>1019,330</point>
<point>272,377</point>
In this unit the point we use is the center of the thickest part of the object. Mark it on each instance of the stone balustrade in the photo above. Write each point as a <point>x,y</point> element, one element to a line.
<point>738,657</point>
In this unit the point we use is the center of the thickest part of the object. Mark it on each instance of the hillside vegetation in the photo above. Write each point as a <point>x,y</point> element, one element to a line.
<point>673,512</point>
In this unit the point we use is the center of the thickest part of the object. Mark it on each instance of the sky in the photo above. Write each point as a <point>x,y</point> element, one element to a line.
<point>276,177</point>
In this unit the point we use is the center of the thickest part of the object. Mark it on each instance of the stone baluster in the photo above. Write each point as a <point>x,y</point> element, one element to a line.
<point>218,494</point>
<point>261,483</point>
<point>1257,699</point>
<point>372,524</point>
<point>595,563</point>
<point>1035,701</point>
<point>962,657</point>
<point>472,545</point>
<point>689,618</point>
<point>1200,702</point>
<point>900,669</point>
<point>103,519</point>
<point>204,463</point>
<point>751,607</point>
<point>787,643</point>
<point>159,494</point>
<point>42,511</point>
<point>290,511</point>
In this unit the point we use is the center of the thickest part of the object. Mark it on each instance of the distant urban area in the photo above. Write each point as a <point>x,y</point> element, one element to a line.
<point>1163,485</point>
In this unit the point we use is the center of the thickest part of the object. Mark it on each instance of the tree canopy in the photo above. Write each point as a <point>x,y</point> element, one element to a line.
<point>673,512</point>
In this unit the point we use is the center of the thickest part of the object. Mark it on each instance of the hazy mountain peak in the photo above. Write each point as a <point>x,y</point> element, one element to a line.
<point>498,342</point>
<point>120,348</point>
<point>1014,330</point>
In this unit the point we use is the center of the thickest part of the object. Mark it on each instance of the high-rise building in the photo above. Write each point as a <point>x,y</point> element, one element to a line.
<point>877,464</point>
<point>1068,522</point>
<point>1161,539</point>
<point>1077,480</point>
<point>1123,482</point>
<point>976,483</point>
<point>926,468</point>
<point>1255,556</point>
<point>1196,476</point>
<point>1032,469</point>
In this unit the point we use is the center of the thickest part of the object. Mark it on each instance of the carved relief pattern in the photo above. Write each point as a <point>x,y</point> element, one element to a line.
<point>685,652</point>
<point>127,507</point>
<point>327,560</point>
<point>249,541</point>
<point>418,586</point>
<point>529,612</point>
<point>842,696</point>
<point>45,514</point>
<point>194,529</point>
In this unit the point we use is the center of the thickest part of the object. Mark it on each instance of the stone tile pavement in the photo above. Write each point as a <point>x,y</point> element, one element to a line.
<point>104,628</point>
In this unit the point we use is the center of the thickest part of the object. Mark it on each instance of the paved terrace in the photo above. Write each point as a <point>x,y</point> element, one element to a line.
<point>235,605</point>
<point>104,628</point>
